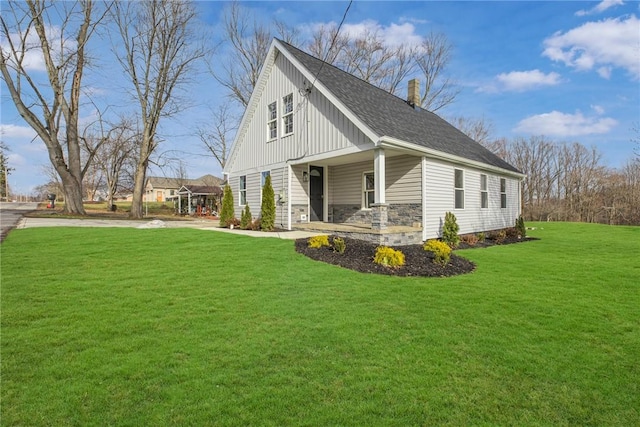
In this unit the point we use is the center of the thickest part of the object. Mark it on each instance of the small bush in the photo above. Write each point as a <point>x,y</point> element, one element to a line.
<point>268,207</point>
<point>339,245</point>
<point>441,251</point>
<point>233,221</point>
<point>499,236</point>
<point>256,225</point>
<point>450,230</point>
<point>318,241</point>
<point>470,239</point>
<point>522,229</point>
<point>245,219</point>
<point>227,212</point>
<point>482,236</point>
<point>511,232</point>
<point>389,257</point>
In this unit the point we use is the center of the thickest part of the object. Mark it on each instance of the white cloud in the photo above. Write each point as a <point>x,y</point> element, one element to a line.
<point>598,109</point>
<point>600,7</point>
<point>560,124</point>
<point>524,80</point>
<point>14,131</point>
<point>604,44</point>
<point>392,35</point>
<point>520,81</point>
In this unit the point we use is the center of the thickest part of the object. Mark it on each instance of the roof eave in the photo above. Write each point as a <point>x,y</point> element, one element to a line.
<point>390,142</point>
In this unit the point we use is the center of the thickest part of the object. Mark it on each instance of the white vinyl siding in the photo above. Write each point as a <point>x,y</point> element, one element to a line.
<point>440,198</point>
<point>328,130</point>
<point>403,181</point>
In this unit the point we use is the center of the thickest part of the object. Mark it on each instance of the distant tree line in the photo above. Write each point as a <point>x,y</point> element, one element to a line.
<point>569,182</point>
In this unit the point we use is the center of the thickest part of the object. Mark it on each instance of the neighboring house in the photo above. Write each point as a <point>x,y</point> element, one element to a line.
<point>199,199</point>
<point>161,189</point>
<point>340,150</point>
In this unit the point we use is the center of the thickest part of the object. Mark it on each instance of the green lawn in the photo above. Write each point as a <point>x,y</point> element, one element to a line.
<point>190,327</point>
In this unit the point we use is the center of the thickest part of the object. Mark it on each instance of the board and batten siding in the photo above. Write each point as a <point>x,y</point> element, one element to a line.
<point>319,127</point>
<point>440,199</point>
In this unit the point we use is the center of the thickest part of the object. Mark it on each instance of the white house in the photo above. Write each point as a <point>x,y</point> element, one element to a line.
<point>342,151</point>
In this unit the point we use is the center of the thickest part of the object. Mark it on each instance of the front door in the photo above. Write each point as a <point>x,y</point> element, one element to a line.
<point>316,192</point>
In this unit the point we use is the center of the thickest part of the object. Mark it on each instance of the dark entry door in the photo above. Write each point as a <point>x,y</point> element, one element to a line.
<point>316,192</point>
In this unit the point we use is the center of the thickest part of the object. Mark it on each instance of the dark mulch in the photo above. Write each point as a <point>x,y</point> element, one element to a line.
<point>359,254</point>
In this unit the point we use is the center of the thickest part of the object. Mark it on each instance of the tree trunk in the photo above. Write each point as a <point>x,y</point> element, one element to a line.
<point>138,191</point>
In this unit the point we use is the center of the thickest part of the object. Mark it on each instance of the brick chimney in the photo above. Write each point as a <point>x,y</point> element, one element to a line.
<point>413,95</point>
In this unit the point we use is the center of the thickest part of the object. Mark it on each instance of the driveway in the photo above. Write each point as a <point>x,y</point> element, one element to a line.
<point>12,217</point>
<point>11,213</point>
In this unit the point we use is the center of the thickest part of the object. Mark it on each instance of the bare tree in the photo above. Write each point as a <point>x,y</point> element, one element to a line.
<point>249,46</point>
<point>433,58</point>
<point>327,44</point>
<point>218,136</point>
<point>51,108</point>
<point>160,49</point>
<point>480,130</point>
<point>116,157</point>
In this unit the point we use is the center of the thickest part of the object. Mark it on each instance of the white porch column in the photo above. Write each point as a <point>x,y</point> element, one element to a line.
<point>379,209</point>
<point>379,172</point>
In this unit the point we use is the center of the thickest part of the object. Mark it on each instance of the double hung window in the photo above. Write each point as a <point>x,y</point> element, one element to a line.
<point>459,188</point>
<point>484,193</point>
<point>368,185</point>
<point>287,114</point>
<point>243,190</point>
<point>503,193</point>
<point>272,120</point>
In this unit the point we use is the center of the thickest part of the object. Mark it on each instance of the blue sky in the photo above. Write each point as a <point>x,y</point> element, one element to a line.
<point>567,70</point>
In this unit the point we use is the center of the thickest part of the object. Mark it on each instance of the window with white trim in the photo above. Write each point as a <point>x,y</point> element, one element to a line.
<point>243,190</point>
<point>503,193</point>
<point>459,188</point>
<point>484,193</point>
<point>287,114</point>
<point>368,190</point>
<point>263,178</point>
<point>272,120</point>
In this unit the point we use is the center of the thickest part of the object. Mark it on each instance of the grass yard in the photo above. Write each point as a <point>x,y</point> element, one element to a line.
<point>190,327</point>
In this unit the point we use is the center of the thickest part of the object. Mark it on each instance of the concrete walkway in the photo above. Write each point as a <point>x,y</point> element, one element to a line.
<point>207,225</point>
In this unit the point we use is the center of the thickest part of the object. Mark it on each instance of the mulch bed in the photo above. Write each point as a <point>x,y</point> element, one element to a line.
<point>359,254</point>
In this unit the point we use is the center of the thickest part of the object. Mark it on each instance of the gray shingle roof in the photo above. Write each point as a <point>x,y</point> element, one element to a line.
<point>389,115</point>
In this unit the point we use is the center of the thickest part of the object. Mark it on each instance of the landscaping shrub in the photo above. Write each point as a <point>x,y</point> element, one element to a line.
<point>245,219</point>
<point>482,236</point>
<point>470,239</point>
<point>450,230</point>
<point>389,257</point>
<point>318,241</point>
<point>268,207</point>
<point>522,229</point>
<point>256,225</point>
<point>511,232</point>
<point>227,213</point>
<point>441,251</point>
<point>499,236</point>
<point>339,245</point>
